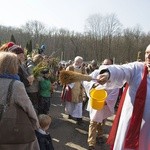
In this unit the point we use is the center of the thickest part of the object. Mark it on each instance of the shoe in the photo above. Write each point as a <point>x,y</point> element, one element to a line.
<point>70,117</point>
<point>91,148</point>
<point>80,121</point>
<point>100,140</point>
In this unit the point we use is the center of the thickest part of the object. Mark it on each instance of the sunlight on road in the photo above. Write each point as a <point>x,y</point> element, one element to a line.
<point>56,140</point>
<point>72,145</point>
<point>81,131</point>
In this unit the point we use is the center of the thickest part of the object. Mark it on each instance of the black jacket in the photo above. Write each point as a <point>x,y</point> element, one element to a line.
<point>45,141</point>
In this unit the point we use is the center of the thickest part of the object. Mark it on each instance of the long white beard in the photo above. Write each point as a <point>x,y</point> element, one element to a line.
<point>77,67</point>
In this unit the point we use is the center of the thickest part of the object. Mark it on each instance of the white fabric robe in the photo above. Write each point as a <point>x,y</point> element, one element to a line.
<point>108,110</point>
<point>132,74</point>
<point>73,109</point>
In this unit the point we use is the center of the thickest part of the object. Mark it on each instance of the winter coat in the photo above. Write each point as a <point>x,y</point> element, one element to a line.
<point>45,87</point>
<point>45,141</point>
<point>20,98</point>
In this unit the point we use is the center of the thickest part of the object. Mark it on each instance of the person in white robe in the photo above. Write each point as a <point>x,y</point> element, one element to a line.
<point>97,117</point>
<point>74,107</point>
<point>132,73</point>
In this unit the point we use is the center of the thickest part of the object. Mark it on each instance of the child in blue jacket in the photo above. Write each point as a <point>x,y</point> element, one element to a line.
<point>44,138</point>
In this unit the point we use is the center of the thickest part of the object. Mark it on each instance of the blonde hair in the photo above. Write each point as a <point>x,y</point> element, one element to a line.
<point>4,47</point>
<point>44,120</point>
<point>8,63</point>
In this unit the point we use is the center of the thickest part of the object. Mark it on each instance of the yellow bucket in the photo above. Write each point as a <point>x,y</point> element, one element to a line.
<point>97,98</point>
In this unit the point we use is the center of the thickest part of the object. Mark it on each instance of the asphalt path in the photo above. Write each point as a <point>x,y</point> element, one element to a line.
<point>65,133</point>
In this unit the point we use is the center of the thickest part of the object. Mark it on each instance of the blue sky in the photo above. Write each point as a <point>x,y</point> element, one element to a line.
<point>72,14</point>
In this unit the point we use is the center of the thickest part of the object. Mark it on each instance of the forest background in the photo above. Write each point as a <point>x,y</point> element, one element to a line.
<point>104,37</point>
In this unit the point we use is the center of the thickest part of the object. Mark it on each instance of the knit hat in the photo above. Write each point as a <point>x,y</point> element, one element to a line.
<point>10,44</point>
<point>16,49</point>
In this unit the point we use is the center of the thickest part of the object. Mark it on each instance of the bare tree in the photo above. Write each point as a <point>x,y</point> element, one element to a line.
<point>102,38</point>
<point>112,28</point>
<point>137,35</point>
<point>35,29</point>
<point>103,28</point>
<point>94,27</point>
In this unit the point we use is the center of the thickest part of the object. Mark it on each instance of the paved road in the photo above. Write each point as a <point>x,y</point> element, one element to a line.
<point>66,134</point>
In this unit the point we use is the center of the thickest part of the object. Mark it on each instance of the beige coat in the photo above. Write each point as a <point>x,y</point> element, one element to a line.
<point>20,97</point>
<point>77,90</point>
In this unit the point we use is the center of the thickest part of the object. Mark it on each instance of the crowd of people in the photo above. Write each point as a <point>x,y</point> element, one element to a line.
<point>32,92</point>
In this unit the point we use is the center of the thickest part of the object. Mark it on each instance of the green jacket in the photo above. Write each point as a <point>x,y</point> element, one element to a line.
<point>45,88</point>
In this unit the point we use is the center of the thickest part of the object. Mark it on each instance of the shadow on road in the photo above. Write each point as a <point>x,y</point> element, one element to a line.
<point>66,134</point>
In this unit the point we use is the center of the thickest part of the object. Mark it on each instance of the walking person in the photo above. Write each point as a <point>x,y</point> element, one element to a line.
<point>73,106</point>
<point>98,117</point>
